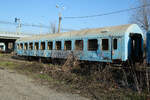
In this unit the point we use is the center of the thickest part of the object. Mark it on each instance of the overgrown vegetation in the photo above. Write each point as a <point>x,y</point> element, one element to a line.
<point>98,83</point>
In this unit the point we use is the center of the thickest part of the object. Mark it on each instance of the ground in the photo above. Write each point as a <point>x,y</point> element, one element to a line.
<point>14,86</point>
<point>21,79</point>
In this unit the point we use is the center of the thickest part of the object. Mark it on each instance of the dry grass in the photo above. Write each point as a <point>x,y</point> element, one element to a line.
<point>86,80</point>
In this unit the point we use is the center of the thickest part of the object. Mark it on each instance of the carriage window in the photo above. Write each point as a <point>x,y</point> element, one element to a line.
<point>92,45</point>
<point>42,45</point>
<point>17,46</point>
<point>115,44</point>
<point>58,45</point>
<point>21,46</point>
<point>67,45</point>
<point>79,45</point>
<point>50,45</point>
<point>10,45</point>
<point>25,46</point>
<point>36,46</point>
<point>105,44</point>
<point>30,46</point>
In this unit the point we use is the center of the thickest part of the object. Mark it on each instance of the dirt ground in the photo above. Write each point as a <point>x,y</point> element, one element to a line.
<point>14,86</point>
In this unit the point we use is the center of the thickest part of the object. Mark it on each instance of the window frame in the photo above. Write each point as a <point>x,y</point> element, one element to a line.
<point>56,45</point>
<point>82,45</point>
<point>35,48</point>
<point>65,45</point>
<point>48,48</point>
<point>102,44</point>
<point>30,48</point>
<point>42,45</point>
<point>25,46</point>
<point>115,47</point>
<point>18,47</point>
<point>88,45</point>
<point>21,46</point>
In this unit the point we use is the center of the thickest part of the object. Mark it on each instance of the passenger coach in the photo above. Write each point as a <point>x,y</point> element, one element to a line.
<point>109,44</point>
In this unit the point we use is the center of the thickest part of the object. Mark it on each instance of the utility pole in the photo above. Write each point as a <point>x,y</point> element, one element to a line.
<point>60,18</point>
<point>60,7</point>
<point>18,29</point>
<point>19,26</point>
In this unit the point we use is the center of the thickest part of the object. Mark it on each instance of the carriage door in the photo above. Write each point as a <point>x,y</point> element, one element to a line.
<point>136,47</point>
<point>106,50</point>
<point>116,48</point>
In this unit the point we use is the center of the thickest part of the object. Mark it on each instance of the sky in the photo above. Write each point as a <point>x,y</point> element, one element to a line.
<point>44,12</point>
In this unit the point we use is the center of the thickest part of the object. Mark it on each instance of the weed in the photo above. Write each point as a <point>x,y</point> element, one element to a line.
<point>8,64</point>
<point>45,77</point>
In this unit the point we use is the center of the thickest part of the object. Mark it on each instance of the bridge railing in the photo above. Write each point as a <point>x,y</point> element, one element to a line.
<point>14,34</point>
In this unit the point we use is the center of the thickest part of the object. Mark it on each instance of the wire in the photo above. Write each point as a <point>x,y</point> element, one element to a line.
<point>5,22</point>
<point>31,25</point>
<point>64,29</point>
<point>110,13</point>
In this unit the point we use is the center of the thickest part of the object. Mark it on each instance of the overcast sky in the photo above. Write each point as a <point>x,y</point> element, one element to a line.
<point>45,12</point>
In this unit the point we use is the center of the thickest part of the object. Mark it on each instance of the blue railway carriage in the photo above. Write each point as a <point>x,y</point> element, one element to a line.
<point>148,47</point>
<point>108,44</point>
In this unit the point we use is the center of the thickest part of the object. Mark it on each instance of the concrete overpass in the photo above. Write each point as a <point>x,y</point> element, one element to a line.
<point>10,38</point>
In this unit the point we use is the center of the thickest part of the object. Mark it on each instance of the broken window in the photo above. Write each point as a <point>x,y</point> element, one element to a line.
<point>79,45</point>
<point>50,45</point>
<point>36,46</point>
<point>58,45</point>
<point>30,46</point>
<point>10,45</point>
<point>115,44</point>
<point>21,46</point>
<point>67,45</point>
<point>105,44</point>
<point>25,46</point>
<point>17,46</point>
<point>92,45</point>
<point>42,45</point>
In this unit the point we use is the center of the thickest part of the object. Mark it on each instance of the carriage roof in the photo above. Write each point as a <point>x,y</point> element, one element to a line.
<point>113,30</point>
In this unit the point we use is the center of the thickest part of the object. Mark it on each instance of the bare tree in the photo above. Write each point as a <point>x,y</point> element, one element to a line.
<point>142,15</point>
